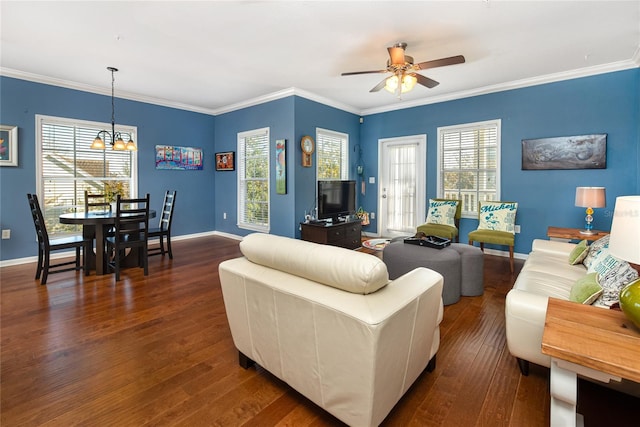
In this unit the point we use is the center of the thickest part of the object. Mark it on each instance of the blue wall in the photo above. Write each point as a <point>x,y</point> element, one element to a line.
<point>608,103</point>
<point>20,102</point>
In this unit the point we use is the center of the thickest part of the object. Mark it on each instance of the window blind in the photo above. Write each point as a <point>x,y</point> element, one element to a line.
<point>332,154</point>
<point>468,163</point>
<point>253,180</point>
<point>67,166</point>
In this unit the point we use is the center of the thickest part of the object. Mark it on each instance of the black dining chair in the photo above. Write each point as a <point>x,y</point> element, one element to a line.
<point>46,246</point>
<point>93,201</point>
<point>131,231</point>
<point>164,227</point>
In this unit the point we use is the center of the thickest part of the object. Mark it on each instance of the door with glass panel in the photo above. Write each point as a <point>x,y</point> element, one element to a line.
<point>402,163</point>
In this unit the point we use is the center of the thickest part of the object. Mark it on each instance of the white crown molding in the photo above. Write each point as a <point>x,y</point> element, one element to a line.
<point>37,78</point>
<point>634,62</point>
<point>517,84</point>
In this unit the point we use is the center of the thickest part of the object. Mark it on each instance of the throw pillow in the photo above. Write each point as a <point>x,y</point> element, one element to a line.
<point>442,212</point>
<point>594,249</point>
<point>578,253</point>
<point>499,216</point>
<point>586,289</point>
<point>613,275</point>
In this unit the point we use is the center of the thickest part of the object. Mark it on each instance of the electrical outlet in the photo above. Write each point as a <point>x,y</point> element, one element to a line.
<point>372,215</point>
<point>224,215</point>
<point>6,234</point>
<point>372,180</point>
<point>517,228</point>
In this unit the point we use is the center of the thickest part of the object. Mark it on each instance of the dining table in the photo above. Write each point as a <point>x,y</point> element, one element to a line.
<point>96,225</point>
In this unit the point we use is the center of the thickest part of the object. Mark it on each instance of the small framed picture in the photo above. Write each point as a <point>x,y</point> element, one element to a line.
<point>8,145</point>
<point>225,161</point>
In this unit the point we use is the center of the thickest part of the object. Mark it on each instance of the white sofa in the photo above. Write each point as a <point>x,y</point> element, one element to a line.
<point>546,273</point>
<point>328,322</point>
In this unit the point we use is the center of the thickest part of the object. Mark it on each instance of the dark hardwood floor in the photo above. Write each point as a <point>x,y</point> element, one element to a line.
<point>157,350</point>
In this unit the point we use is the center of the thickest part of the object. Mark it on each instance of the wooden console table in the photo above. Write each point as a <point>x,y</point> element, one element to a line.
<point>594,342</point>
<point>574,233</point>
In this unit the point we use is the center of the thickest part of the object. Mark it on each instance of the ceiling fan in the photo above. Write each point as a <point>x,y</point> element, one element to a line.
<point>404,70</point>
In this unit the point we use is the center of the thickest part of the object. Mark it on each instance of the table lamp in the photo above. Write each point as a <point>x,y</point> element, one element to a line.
<point>590,197</point>
<point>624,243</point>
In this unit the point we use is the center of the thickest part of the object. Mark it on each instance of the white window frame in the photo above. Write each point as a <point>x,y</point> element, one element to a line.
<point>442,131</point>
<point>40,178</point>
<point>323,135</point>
<point>242,180</point>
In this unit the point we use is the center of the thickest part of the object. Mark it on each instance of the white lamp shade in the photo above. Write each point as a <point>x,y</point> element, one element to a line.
<point>624,241</point>
<point>590,197</point>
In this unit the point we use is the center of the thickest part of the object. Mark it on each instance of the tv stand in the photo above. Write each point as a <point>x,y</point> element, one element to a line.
<point>344,234</point>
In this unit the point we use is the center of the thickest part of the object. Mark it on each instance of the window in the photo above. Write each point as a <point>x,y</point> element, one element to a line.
<point>332,154</point>
<point>253,180</point>
<point>469,164</point>
<point>66,167</point>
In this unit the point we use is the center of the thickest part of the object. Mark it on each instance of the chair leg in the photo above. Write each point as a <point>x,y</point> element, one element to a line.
<point>40,261</point>
<point>45,269</point>
<point>161,245</point>
<point>145,260</point>
<point>117,263</point>
<point>511,258</point>
<point>78,263</point>
<point>169,247</point>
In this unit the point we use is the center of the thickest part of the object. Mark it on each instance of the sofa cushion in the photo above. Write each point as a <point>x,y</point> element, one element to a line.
<point>594,250</point>
<point>499,216</point>
<point>579,253</point>
<point>340,268</point>
<point>442,212</point>
<point>586,289</point>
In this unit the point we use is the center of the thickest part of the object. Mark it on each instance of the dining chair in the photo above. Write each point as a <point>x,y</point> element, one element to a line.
<point>131,231</point>
<point>46,246</point>
<point>164,227</point>
<point>496,225</point>
<point>93,201</point>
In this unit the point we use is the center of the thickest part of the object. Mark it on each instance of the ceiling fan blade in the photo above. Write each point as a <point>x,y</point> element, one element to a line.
<point>352,73</point>
<point>379,86</point>
<point>426,81</point>
<point>459,59</point>
<point>397,55</point>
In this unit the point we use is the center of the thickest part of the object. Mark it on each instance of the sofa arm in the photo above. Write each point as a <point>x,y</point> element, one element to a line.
<point>525,314</point>
<point>561,249</point>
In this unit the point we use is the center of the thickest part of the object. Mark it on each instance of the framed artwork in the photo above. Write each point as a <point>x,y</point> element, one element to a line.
<point>565,152</point>
<point>178,158</point>
<point>225,161</point>
<point>281,166</point>
<point>8,145</point>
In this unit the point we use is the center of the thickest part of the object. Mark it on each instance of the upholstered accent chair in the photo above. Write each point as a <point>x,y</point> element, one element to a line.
<point>443,219</point>
<point>496,225</point>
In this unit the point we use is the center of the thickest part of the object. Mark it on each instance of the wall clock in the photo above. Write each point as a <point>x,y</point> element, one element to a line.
<point>308,146</point>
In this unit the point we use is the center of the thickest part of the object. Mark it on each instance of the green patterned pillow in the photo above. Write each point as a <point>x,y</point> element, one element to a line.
<point>442,212</point>
<point>578,253</point>
<point>586,289</point>
<point>498,216</point>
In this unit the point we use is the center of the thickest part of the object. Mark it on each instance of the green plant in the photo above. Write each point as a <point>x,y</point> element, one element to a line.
<point>112,189</point>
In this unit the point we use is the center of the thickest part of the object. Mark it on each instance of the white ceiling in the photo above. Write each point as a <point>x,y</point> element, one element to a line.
<point>212,56</point>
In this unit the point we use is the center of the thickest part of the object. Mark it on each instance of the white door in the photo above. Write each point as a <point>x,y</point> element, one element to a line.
<point>402,163</point>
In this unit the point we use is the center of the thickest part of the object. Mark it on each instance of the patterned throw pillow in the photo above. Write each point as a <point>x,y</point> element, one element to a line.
<point>442,212</point>
<point>499,216</point>
<point>613,275</point>
<point>594,250</point>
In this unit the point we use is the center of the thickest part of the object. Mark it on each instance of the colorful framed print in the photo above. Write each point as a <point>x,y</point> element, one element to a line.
<point>281,166</point>
<point>225,161</point>
<point>178,158</point>
<point>8,145</point>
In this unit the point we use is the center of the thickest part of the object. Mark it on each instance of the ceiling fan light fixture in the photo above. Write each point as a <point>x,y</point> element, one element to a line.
<point>408,83</point>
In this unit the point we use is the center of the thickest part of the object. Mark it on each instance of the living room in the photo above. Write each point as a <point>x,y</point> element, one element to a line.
<point>603,102</point>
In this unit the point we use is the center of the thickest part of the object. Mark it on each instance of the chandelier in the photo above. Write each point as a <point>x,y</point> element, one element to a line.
<point>115,138</point>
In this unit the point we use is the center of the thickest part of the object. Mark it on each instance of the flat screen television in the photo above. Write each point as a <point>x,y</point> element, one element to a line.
<point>336,199</point>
